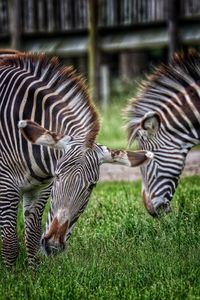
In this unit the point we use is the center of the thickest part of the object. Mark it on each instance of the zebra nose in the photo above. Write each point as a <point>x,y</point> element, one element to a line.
<point>161,204</point>
<point>51,246</point>
<point>167,207</point>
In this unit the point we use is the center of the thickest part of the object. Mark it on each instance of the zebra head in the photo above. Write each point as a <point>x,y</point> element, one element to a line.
<point>161,175</point>
<point>76,174</point>
<point>164,117</point>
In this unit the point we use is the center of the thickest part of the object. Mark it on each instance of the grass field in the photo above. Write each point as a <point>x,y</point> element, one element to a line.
<point>112,132</point>
<point>117,251</point>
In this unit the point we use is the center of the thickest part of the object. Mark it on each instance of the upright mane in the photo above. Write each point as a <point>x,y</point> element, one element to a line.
<point>167,81</point>
<point>65,85</point>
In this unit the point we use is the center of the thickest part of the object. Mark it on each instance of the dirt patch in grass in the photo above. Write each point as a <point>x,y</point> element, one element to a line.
<point>109,172</point>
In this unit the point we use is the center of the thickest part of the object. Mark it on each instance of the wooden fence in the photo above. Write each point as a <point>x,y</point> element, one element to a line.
<point>53,16</point>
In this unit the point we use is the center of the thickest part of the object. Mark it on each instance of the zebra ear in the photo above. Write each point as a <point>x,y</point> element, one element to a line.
<point>123,157</point>
<point>38,135</point>
<point>151,122</point>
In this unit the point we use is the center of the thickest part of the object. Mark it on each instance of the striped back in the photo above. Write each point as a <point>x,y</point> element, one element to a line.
<point>38,88</point>
<point>49,87</point>
<point>165,118</point>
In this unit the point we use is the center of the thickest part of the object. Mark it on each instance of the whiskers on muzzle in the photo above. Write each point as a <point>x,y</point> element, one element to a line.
<point>53,241</point>
<point>157,206</point>
<point>52,247</point>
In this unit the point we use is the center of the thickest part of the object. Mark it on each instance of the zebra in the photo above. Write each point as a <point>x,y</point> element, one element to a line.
<point>8,52</point>
<point>47,143</point>
<point>165,119</point>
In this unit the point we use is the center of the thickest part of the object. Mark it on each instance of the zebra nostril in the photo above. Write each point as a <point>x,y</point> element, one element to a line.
<point>167,207</point>
<point>56,248</point>
<point>52,247</point>
<point>162,208</point>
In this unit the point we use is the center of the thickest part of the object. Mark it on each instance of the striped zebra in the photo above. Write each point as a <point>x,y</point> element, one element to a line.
<point>47,142</point>
<point>165,118</point>
<point>8,52</point>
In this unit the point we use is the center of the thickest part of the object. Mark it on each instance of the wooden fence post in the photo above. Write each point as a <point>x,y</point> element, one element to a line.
<point>93,50</point>
<point>105,85</point>
<point>173,18</point>
<point>15,23</point>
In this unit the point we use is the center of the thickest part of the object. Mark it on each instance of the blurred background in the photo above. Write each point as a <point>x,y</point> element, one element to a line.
<point>113,43</point>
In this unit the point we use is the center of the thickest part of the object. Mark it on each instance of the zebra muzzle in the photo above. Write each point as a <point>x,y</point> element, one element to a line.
<point>156,206</point>
<point>149,205</point>
<point>53,242</point>
<point>52,247</point>
<point>160,204</point>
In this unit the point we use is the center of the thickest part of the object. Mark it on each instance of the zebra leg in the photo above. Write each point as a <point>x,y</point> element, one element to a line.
<point>9,199</point>
<point>34,204</point>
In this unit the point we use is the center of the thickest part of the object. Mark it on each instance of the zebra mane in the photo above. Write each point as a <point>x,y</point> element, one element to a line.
<point>166,81</point>
<point>8,52</point>
<point>67,85</point>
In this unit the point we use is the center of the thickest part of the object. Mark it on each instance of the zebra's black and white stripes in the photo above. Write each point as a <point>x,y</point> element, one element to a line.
<point>60,152</point>
<point>165,117</point>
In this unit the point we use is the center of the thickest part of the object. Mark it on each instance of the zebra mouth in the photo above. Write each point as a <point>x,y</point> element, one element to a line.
<point>156,206</point>
<point>51,247</point>
<point>161,204</point>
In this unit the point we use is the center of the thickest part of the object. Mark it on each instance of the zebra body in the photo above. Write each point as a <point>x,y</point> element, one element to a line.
<point>165,118</point>
<point>60,154</point>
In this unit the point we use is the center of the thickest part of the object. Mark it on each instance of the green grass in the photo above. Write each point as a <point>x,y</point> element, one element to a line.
<point>117,251</point>
<point>112,132</point>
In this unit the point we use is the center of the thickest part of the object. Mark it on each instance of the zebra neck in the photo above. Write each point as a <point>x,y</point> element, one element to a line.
<point>173,92</point>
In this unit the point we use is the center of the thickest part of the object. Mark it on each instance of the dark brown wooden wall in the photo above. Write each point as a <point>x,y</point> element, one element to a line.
<point>52,16</point>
